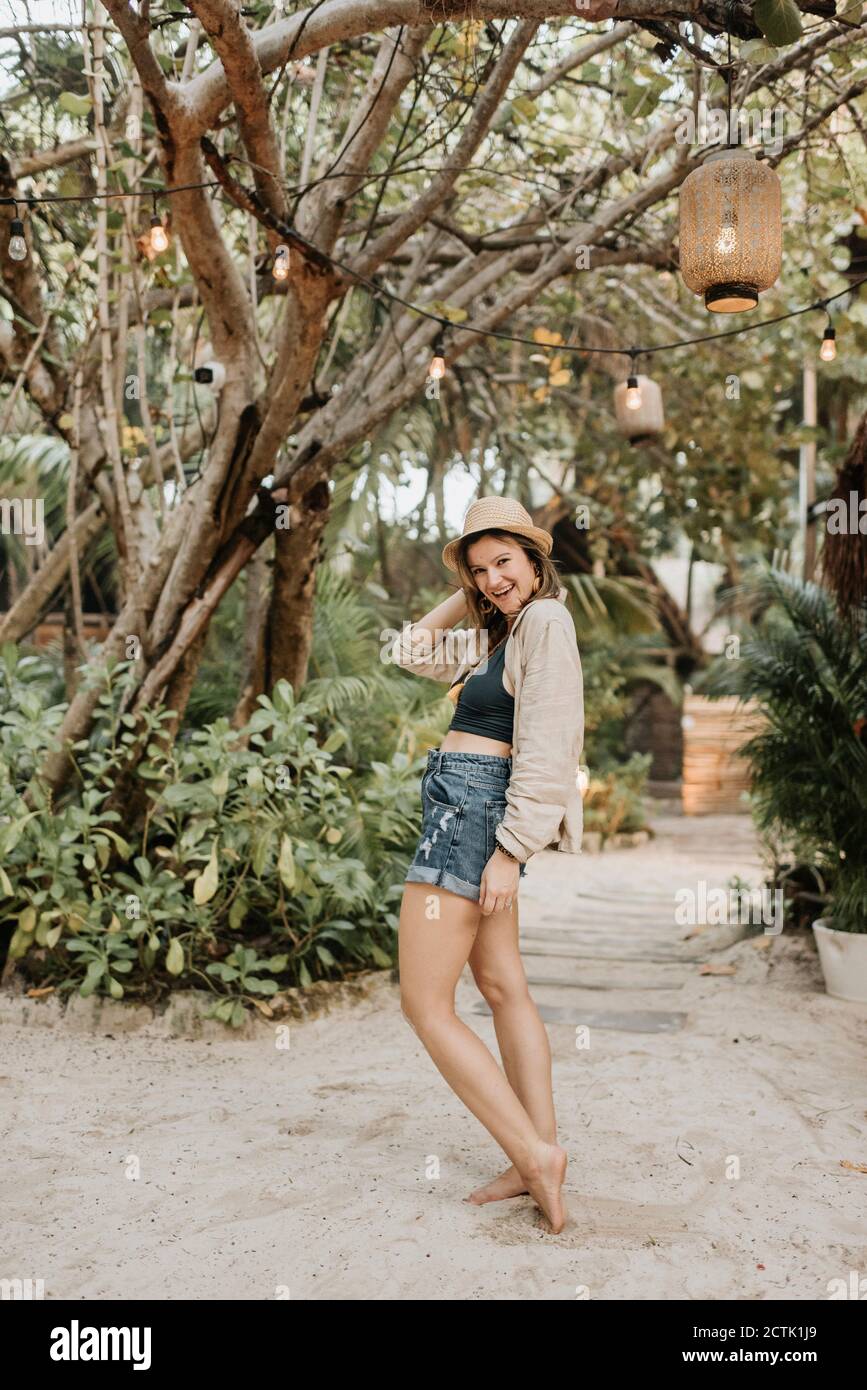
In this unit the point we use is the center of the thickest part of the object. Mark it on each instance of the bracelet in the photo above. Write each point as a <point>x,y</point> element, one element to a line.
<point>507,852</point>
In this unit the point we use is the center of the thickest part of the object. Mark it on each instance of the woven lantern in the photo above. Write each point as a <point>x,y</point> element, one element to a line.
<point>731,230</point>
<point>638,408</point>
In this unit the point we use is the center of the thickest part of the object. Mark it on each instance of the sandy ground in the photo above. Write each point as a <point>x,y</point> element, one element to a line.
<point>705,1155</point>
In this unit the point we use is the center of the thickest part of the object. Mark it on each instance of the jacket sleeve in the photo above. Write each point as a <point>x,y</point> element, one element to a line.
<point>440,661</point>
<point>551,713</point>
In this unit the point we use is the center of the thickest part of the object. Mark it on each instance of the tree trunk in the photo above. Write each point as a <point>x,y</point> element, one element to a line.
<point>256,611</point>
<point>290,624</point>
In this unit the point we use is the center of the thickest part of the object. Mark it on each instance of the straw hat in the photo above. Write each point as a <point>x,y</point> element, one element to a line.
<point>498,514</point>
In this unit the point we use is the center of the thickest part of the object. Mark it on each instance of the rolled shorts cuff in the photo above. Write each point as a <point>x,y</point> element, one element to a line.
<point>436,878</point>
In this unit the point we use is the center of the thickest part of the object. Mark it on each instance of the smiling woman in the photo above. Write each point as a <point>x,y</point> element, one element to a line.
<point>502,785</point>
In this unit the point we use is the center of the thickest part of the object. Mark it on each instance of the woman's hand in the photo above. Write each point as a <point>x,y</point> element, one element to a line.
<point>499,885</point>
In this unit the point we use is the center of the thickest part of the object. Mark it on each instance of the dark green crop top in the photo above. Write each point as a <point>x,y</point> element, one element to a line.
<point>484,705</point>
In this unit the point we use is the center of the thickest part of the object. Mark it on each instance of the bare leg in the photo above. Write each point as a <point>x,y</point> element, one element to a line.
<point>436,934</point>
<point>498,970</point>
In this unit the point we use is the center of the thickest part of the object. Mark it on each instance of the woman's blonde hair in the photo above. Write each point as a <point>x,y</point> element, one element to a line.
<point>495,621</point>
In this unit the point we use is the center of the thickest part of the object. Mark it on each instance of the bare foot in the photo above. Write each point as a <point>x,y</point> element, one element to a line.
<point>544,1181</point>
<point>508,1184</point>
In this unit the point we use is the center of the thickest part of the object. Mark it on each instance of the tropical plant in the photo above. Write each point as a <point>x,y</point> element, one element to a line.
<point>805,668</point>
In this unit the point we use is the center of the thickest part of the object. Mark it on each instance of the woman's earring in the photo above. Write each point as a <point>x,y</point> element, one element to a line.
<point>485,605</point>
<point>537,582</point>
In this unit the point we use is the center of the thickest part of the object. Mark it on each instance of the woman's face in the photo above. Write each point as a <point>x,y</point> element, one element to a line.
<point>503,573</point>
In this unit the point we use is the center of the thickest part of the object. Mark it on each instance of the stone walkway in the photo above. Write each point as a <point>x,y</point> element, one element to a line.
<point>606,951</point>
<point>714,1124</point>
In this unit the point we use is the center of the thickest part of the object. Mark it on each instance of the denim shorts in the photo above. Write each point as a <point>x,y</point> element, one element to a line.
<point>463,797</point>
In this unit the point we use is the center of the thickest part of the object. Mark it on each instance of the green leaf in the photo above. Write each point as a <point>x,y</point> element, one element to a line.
<point>180,792</point>
<point>257,986</point>
<point>779,21</point>
<point>526,107</point>
<point>73,103</point>
<point>286,864</point>
<point>447,311</point>
<point>237,913</point>
<point>220,783</point>
<point>205,885</point>
<point>19,944</point>
<point>5,885</point>
<point>334,741</point>
<point>175,957</point>
<point>261,851</point>
<point>95,972</point>
<point>27,919</point>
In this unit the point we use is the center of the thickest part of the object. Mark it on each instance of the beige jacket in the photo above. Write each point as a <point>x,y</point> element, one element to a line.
<point>543,670</point>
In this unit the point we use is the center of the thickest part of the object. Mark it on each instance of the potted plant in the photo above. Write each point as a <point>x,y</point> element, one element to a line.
<point>805,667</point>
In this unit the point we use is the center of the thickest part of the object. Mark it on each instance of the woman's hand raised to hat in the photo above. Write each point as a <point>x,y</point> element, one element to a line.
<point>446,615</point>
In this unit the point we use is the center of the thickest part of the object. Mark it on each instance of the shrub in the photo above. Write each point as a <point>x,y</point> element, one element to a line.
<point>260,860</point>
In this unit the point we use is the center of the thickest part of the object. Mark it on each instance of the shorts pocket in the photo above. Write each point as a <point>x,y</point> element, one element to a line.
<point>445,788</point>
<point>494,812</point>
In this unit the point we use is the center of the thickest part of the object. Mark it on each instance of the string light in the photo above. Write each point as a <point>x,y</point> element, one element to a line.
<point>632,399</point>
<point>638,405</point>
<point>437,369</point>
<point>158,233</point>
<point>280,268</point>
<point>159,237</point>
<point>17,243</point>
<point>828,350</point>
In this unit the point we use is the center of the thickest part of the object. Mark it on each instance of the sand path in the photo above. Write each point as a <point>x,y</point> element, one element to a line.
<point>705,1124</point>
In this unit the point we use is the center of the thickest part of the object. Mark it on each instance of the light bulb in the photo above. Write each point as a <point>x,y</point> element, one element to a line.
<point>17,244</point>
<point>633,393</point>
<point>828,350</point>
<point>437,368</point>
<point>159,235</point>
<point>280,269</point>
<point>726,241</point>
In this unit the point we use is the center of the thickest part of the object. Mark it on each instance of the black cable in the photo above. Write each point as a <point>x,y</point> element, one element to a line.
<point>380,290</point>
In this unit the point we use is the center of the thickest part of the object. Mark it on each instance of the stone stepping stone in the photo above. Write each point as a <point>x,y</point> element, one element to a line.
<point>593,951</point>
<point>638,985</point>
<point>635,1021</point>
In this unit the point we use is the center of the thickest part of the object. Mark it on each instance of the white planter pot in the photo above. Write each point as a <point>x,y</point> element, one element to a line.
<point>843,957</point>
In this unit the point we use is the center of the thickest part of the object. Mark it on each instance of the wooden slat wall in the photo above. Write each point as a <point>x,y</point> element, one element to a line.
<point>713,775</point>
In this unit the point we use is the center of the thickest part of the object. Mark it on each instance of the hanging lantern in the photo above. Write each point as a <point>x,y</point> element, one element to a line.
<point>731,231</point>
<point>638,408</point>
